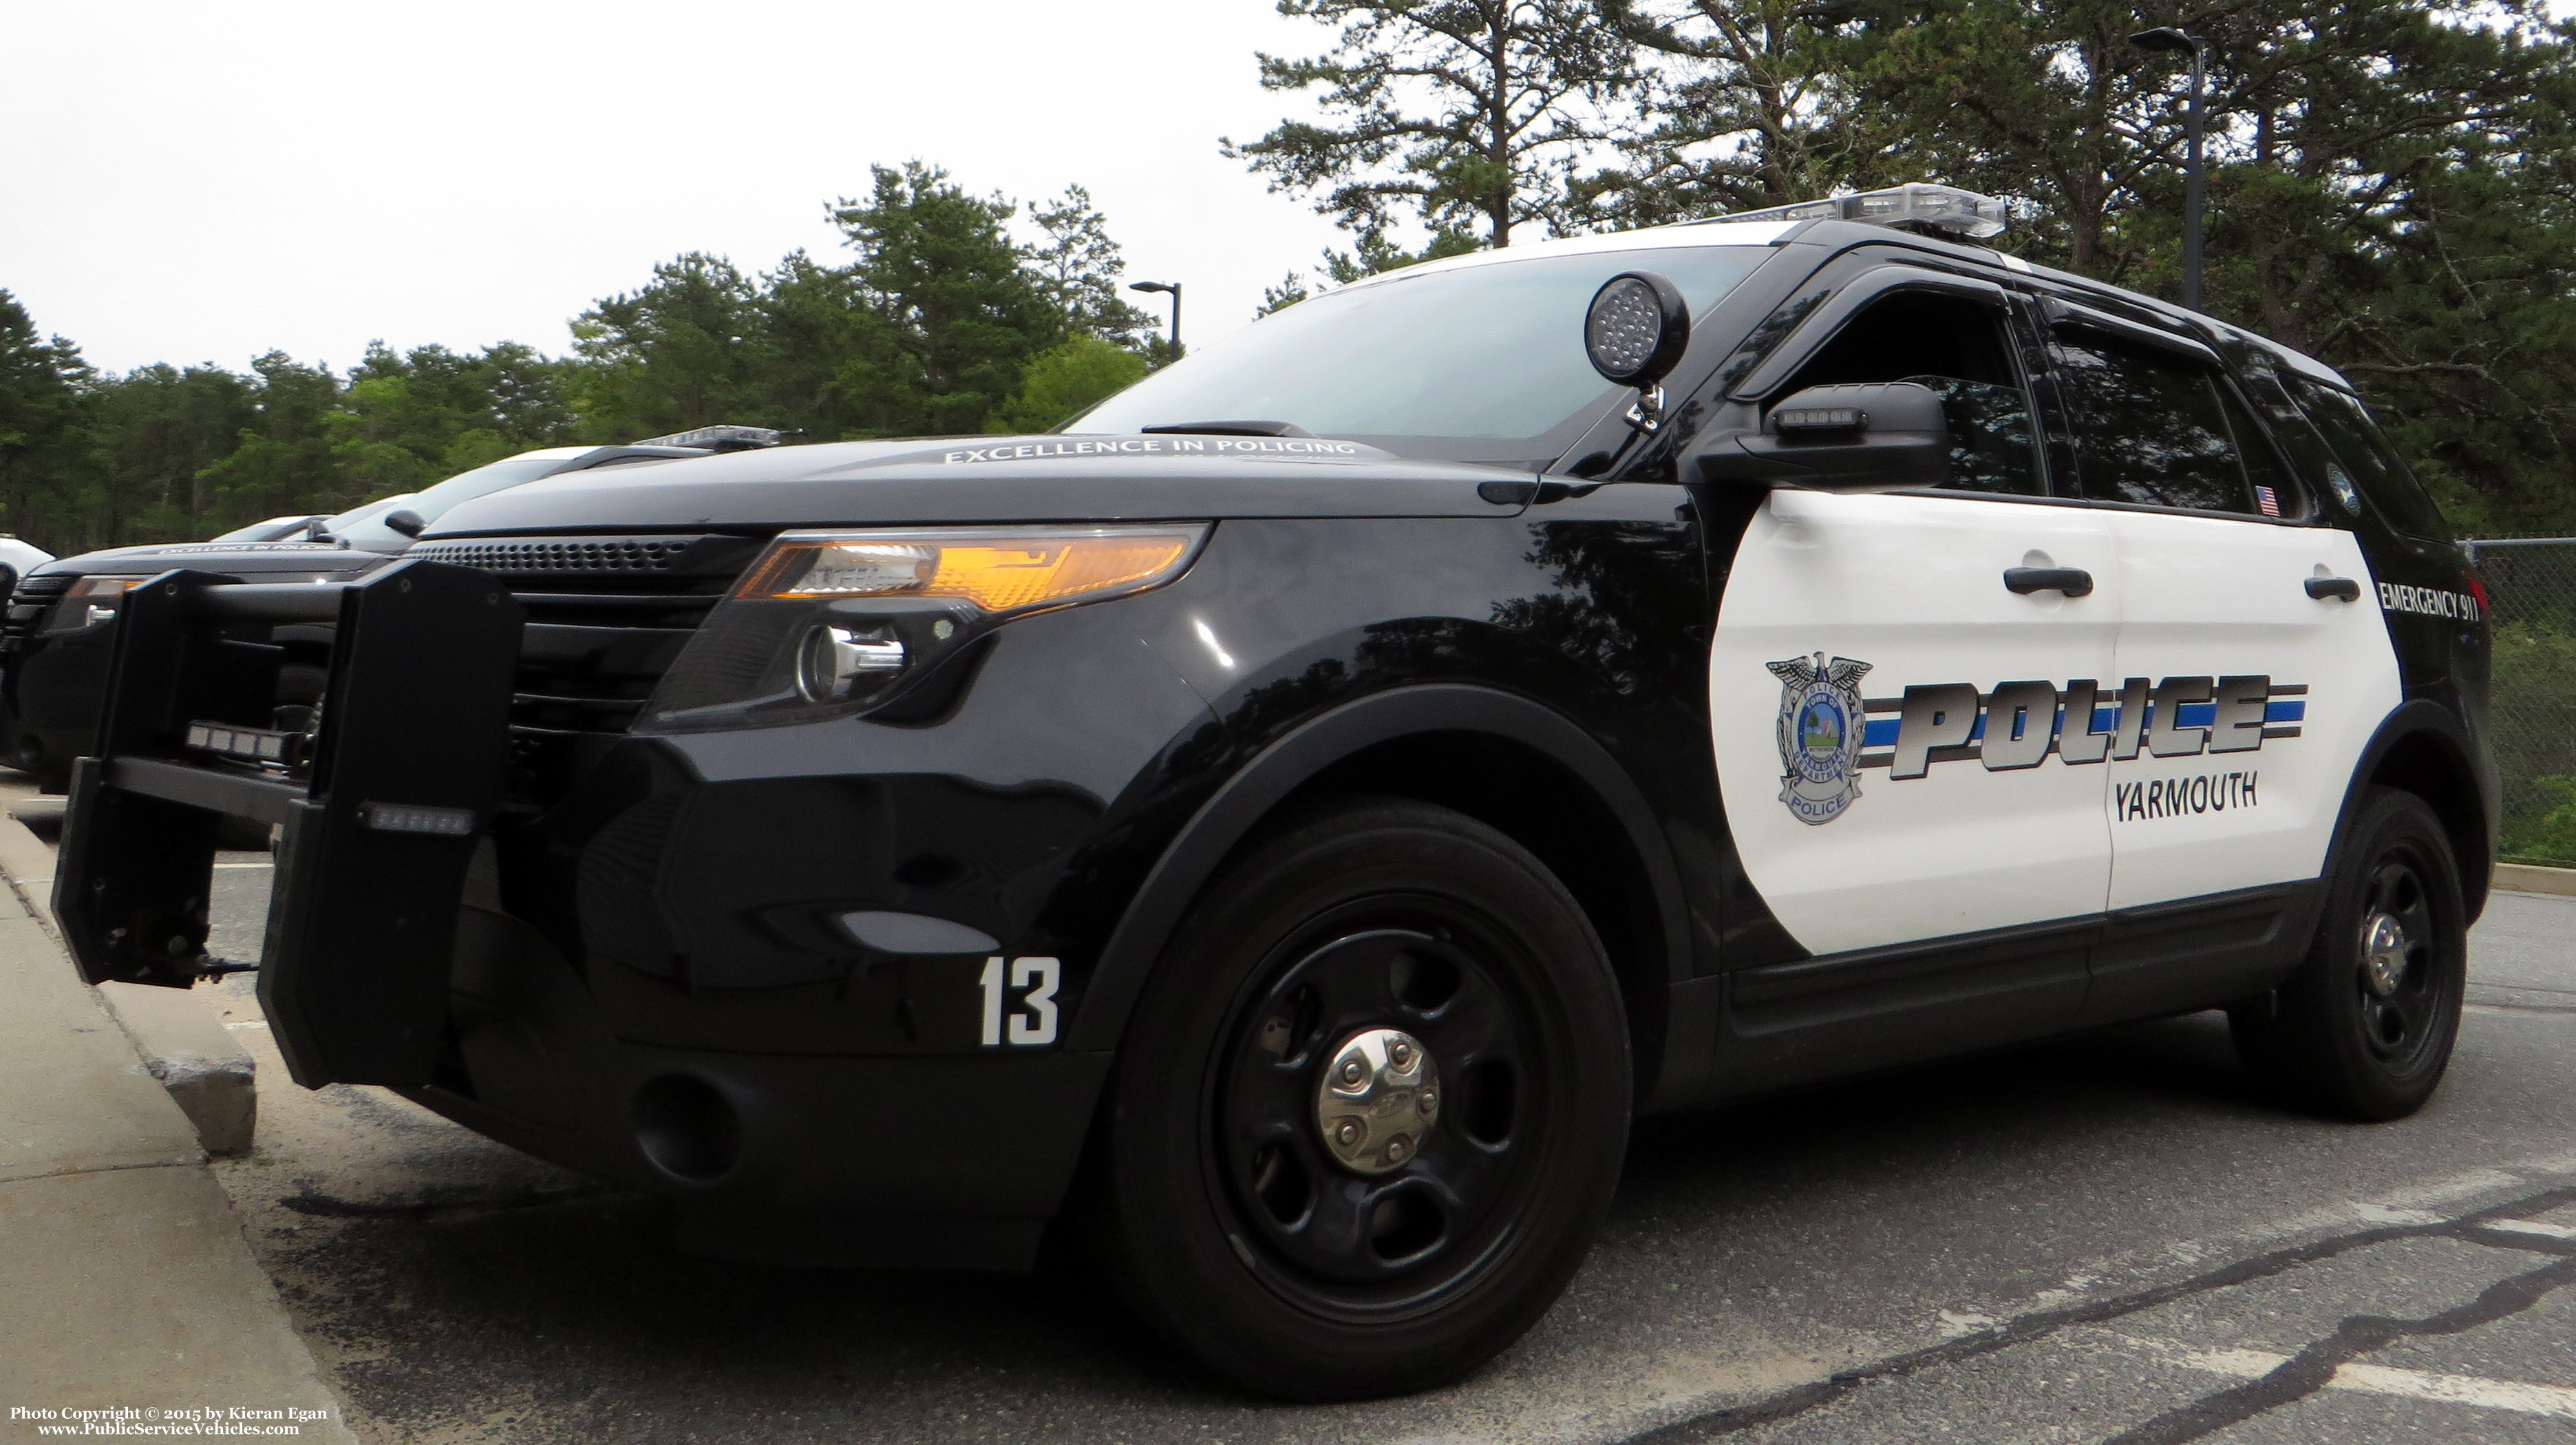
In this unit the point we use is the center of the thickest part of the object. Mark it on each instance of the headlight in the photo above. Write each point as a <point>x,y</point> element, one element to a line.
<point>90,601</point>
<point>830,622</point>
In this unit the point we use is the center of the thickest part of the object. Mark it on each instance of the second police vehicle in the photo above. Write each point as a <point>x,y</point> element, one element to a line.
<point>1280,828</point>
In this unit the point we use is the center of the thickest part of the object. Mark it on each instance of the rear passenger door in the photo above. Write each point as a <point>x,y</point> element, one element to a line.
<point>2248,684</point>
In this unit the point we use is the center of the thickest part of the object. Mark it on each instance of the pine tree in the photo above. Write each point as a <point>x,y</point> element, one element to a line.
<point>1463,116</point>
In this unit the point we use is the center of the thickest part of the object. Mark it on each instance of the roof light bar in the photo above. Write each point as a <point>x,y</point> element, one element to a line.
<point>1936,207</point>
<point>717,438</point>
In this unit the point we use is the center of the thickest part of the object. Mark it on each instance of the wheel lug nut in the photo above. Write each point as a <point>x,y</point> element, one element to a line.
<point>1400,1055</point>
<point>1396,1150</point>
<point>1353,1071</point>
<point>1430,1101</point>
<point>1349,1133</point>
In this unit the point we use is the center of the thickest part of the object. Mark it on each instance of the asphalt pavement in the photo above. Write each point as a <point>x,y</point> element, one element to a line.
<point>2103,1238</point>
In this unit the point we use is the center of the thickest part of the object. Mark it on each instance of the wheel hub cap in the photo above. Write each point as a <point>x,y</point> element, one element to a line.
<point>1380,1094</point>
<point>2383,953</point>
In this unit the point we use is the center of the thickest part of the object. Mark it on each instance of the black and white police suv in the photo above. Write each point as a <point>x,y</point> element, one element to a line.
<point>1286,823</point>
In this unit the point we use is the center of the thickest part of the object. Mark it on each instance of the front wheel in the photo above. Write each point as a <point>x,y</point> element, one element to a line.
<point>2364,1029</point>
<point>1370,1111</point>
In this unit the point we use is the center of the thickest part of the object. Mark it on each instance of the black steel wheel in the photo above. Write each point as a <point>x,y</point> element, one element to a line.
<point>1371,1109</point>
<point>2364,1029</point>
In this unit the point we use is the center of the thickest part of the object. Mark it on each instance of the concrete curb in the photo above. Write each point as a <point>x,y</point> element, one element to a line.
<point>125,1282</point>
<point>208,1073</point>
<point>2532,878</point>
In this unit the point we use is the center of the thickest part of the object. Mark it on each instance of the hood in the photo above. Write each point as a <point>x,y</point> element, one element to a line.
<point>1052,478</point>
<point>302,559</point>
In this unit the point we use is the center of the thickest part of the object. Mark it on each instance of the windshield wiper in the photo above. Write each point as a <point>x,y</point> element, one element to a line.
<point>1233,429</point>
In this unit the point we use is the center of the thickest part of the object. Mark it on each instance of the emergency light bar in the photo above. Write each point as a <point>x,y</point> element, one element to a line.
<point>1935,207</point>
<point>717,438</point>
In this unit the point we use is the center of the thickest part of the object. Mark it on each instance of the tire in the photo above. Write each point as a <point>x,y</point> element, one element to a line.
<point>2365,1028</point>
<point>1401,1252</point>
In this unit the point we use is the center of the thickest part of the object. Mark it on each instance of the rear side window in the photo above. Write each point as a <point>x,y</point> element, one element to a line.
<point>2368,462</point>
<point>1956,346</point>
<point>2162,430</point>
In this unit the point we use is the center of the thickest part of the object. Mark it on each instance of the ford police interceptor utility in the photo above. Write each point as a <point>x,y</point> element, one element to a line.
<point>1285,824</point>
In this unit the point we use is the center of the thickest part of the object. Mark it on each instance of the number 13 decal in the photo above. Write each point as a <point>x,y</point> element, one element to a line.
<point>1034,1021</point>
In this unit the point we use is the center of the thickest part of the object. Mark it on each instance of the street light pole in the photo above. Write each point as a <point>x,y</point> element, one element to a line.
<point>1175,288</point>
<point>2195,186</point>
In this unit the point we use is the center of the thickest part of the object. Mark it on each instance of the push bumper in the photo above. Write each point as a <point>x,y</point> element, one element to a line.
<point>391,958</point>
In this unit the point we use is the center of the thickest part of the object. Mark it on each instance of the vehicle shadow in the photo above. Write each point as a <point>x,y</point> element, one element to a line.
<point>580,1319</point>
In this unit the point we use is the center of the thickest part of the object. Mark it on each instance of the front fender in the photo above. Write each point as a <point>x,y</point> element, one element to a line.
<point>1257,788</point>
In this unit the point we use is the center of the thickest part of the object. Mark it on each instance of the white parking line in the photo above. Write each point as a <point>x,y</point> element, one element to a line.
<point>2529,1226</point>
<point>2554,1401</point>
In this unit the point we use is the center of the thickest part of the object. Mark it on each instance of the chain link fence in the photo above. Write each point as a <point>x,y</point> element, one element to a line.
<point>2531,592</point>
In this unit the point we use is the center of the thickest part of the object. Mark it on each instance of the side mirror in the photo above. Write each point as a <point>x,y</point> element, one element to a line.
<point>1851,437</point>
<point>406,521</point>
<point>1635,332</point>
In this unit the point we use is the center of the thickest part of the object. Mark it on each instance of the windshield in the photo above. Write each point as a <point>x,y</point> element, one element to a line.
<point>1481,362</point>
<point>362,527</point>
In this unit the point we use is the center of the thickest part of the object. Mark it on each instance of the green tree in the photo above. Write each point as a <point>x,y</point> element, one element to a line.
<point>41,387</point>
<point>411,420</point>
<point>1461,115</point>
<point>284,460</point>
<point>962,314</point>
<point>685,350</point>
<point>1744,104</point>
<point>1078,266</point>
<point>1065,380</point>
<point>153,433</point>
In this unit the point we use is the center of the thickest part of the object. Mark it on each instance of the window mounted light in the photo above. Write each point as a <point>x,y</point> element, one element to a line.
<point>1918,204</point>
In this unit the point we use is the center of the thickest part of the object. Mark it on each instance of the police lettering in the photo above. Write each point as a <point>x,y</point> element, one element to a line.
<point>2020,724</point>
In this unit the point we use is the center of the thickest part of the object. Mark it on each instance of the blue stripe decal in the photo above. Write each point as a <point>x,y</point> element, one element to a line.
<point>2196,715</point>
<point>2294,710</point>
<point>1881,733</point>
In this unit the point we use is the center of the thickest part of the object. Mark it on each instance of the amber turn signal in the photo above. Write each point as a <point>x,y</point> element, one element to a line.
<point>998,571</point>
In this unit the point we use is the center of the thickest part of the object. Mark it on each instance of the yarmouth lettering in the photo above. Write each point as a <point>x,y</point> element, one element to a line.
<point>2192,795</point>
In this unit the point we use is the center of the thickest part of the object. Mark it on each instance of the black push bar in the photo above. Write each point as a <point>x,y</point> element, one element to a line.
<point>381,806</point>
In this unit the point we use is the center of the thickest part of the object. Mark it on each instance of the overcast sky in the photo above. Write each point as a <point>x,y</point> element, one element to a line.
<point>206,181</point>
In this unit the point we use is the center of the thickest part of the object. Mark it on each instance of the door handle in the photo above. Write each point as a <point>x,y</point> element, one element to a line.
<point>2073,581</point>
<point>2322,588</point>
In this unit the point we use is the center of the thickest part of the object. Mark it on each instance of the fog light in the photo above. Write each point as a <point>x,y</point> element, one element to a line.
<point>834,659</point>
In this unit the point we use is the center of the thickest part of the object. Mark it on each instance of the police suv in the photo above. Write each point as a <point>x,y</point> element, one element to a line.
<point>1286,823</point>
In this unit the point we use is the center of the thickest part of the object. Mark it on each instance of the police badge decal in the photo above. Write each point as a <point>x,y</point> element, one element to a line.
<point>1821,726</point>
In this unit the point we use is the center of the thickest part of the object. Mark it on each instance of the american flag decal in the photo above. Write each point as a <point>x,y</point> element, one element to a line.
<point>2268,500</point>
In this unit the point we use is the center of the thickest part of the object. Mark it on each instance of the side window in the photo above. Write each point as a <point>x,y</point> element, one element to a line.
<point>1957,347</point>
<point>2367,461</point>
<point>2153,428</point>
<point>2276,494</point>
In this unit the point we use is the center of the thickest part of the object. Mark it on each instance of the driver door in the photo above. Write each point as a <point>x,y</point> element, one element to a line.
<point>1906,746</point>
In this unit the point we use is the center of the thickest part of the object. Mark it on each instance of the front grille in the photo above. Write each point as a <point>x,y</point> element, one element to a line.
<point>578,555</point>
<point>607,616</point>
<point>28,605</point>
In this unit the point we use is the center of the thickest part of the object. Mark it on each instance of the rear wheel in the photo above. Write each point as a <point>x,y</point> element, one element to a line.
<point>1370,1111</point>
<point>2364,1029</point>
